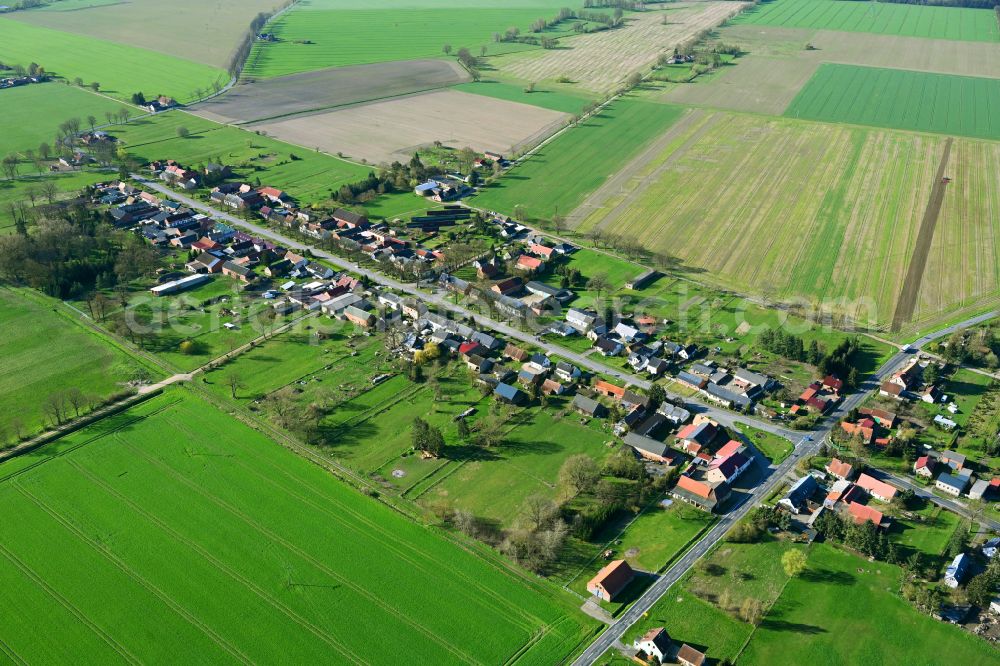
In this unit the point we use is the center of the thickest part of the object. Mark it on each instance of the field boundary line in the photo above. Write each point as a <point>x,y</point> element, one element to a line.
<point>67,604</point>
<point>59,454</point>
<point>910,293</point>
<point>414,556</point>
<point>218,564</point>
<point>265,531</point>
<point>174,605</point>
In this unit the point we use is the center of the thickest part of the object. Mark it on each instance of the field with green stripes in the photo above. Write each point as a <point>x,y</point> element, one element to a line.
<point>920,101</point>
<point>556,178</point>
<point>978,25</point>
<point>172,520</point>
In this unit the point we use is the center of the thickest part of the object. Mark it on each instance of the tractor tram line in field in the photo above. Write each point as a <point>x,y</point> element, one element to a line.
<point>906,305</point>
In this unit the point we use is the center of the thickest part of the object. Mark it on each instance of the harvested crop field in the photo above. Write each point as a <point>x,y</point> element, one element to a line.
<point>602,61</point>
<point>880,18</point>
<point>963,268</point>
<point>921,101</point>
<point>793,209</point>
<point>175,520</point>
<point>206,32</point>
<point>329,88</point>
<point>779,65</point>
<point>395,129</point>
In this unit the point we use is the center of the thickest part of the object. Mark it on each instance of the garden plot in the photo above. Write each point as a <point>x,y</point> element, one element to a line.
<point>602,61</point>
<point>329,88</point>
<point>395,129</point>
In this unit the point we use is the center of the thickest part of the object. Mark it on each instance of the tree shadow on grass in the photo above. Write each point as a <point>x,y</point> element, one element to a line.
<point>796,627</point>
<point>828,576</point>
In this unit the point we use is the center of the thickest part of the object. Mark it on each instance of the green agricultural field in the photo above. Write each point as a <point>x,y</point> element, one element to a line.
<point>906,20</point>
<point>928,532</point>
<point>33,113</point>
<point>164,519</point>
<point>308,176</point>
<point>547,97</point>
<point>121,70</point>
<point>901,99</point>
<point>841,595</point>
<point>44,353</point>
<point>335,33</point>
<point>556,178</point>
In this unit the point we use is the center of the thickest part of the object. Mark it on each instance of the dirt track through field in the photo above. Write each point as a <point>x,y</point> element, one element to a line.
<point>907,302</point>
<point>619,181</point>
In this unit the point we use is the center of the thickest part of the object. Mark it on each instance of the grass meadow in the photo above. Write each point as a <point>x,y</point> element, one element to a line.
<point>556,178</point>
<point>308,176</point>
<point>121,70</point>
<point>824,213</point>
<point>45,352</point>
<point>900,99</point>
<point>841,595</point>
<point>32,114</point>
<point>335,33</point>
<point>805,618</point>
<point>172,519</point>
<point>880,18</point>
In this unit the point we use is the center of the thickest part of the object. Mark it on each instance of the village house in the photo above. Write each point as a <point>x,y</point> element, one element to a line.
<point>655,643</point>
<point>955,483</point>
<point>957,571</point>
<point>700,492</point>
<point>609,390</point>
<point>642,280</point>
<point>727,469</point>
<point>673,413</point>
<point>648,448</point>
<point>589,407</point>
<point>861,514</point>
<point>799,494</point>
<point>953,459</point>
<point>528,264</point>
<point>840,469</point>
<point>878,489</point>
<point>611,580</point>
<point>924,466</point>
<point>688,656</point>
<point>509,394</point>
<point>242,273</point>
<point>581,320</point>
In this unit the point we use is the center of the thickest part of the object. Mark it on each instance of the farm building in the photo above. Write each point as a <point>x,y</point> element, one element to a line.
<point>611,580</point>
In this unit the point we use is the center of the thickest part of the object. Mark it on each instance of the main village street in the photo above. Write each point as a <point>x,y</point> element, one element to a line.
<point>441,301</point>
